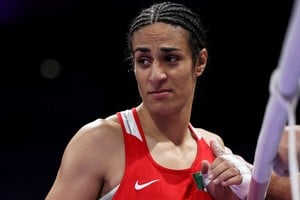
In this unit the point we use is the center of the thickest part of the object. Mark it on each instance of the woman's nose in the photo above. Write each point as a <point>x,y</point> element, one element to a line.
<point>158,73</point>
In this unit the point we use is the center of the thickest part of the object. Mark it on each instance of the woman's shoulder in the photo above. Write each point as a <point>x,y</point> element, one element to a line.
<point>209,135</point>
<point>101,128</point>
<point>98,134</point>
<point>92,145</point>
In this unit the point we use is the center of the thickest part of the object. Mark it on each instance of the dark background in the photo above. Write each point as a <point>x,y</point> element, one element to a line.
<point>39,115</point>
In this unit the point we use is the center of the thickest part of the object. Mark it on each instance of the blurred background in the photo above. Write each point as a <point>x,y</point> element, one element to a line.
<point>63,65</point>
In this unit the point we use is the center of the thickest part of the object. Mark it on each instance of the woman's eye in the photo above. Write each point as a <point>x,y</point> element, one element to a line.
<point>143,61</point>
<point>171,59</point>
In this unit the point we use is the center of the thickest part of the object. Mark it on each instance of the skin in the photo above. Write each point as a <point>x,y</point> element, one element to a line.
<point>93,162</point>
<point>279,188</point>
<point>280,184</point>
<point>283,148</point>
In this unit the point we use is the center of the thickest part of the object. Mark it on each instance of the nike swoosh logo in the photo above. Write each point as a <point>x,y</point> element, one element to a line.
<point>138,186</point>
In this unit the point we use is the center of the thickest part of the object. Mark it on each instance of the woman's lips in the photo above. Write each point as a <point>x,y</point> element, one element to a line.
<point>159,94</point>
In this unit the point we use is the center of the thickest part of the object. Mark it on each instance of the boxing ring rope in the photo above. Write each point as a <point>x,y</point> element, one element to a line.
<point>280,109</point>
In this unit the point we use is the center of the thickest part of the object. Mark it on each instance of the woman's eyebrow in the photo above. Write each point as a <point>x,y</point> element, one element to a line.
<point>142,49</point>
<point>163,49</point>
<point>169,49</point>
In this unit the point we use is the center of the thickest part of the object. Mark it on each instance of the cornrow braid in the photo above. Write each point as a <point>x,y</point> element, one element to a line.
<point>175,14</point>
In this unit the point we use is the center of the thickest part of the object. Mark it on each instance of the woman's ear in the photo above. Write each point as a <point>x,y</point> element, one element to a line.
<point>201,61</point>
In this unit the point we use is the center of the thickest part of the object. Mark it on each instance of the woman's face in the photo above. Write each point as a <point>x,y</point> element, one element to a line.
<point>163,67</point>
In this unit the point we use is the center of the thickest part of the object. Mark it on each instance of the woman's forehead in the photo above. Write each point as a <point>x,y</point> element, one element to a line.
<point>160,34</point>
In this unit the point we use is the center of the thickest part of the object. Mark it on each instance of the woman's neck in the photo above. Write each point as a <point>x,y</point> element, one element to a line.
<point>173,127</point>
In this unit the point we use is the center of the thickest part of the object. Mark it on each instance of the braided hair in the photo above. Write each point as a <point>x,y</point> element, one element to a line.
<point>174,14</point>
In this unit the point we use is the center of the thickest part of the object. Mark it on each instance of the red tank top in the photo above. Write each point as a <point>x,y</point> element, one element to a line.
<point>145,179</point>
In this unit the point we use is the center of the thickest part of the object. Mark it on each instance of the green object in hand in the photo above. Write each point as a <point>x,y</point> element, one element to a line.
<point>199,181</point>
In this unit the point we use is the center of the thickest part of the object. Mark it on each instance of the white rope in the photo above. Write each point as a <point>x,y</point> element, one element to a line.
<point>278,110</point>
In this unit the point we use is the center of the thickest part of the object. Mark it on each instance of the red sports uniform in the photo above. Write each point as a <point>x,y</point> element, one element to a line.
<point>145,179</point>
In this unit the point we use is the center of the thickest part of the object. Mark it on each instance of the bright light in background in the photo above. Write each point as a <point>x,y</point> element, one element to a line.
<point>50,69</point>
